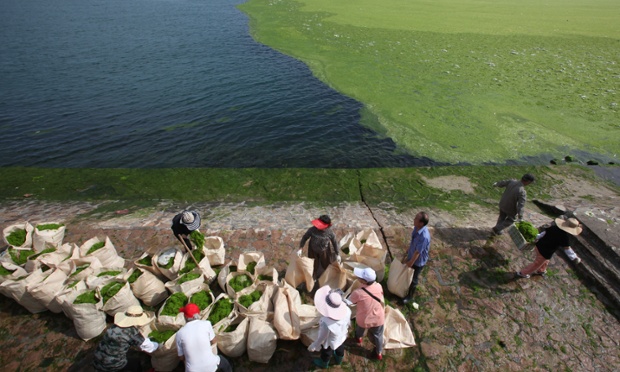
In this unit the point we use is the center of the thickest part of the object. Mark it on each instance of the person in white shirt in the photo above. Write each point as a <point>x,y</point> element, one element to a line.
<point>333,325</point>
<point>194,344</point>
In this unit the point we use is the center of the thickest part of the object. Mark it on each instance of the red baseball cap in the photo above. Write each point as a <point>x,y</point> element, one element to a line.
<point>320,224</point>
<point>190,310</point>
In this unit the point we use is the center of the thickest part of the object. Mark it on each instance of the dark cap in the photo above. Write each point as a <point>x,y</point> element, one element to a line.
<point>528,177</point>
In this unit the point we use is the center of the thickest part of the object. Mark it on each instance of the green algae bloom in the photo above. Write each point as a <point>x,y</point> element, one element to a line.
<point>190,264</point>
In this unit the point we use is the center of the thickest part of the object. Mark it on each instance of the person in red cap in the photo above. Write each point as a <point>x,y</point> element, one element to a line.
<point>322,247</point>
<point>194,343</point>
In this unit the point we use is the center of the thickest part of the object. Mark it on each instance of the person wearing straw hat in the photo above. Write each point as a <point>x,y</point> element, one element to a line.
<point>194,342</point>
<point>322,247</point>
<point>333,326</point>
<point>370,309</point>
<point>512,202</point>
<point>111,352</point>
<point>183,224</point>
<point>554,237</point>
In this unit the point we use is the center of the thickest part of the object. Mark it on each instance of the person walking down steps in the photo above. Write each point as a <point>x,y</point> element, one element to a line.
<point>512,202</point>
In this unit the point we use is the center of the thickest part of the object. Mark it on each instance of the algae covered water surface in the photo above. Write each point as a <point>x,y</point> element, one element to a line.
<point>465,80</point>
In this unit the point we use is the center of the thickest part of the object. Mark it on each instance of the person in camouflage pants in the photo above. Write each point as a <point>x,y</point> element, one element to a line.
<point>111,353</point>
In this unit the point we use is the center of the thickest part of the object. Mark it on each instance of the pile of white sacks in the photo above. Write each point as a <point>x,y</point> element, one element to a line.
<point>52,281</point>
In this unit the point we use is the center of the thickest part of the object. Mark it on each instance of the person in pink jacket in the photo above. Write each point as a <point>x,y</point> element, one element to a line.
<point>370,310</point>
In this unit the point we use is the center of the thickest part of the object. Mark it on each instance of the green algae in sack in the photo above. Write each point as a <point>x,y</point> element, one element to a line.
<point>265,277</point>
<point>250,267</point>
<point>86,298</point>
<point>134,276</point>
<point>231,328</point>
<point>20,256</point>
<point>95,246</point>
<point>190,264</point>
<point>249,299</point>
<point>197,238</point>
<point>109,290</point>
<point>188,277</point>
<point>239,282</point>
<point>5,272</point>
<point>45,251</point>
<point>50,226</point>
<point>220,310</point>
<point>201,299</point>
<point>146,261</point>
<point>528,231</point>
<point>174,303</point>
<point>161,336</point>
<point>109,273</point>
<point>79,269</point>
<point>17,238</point>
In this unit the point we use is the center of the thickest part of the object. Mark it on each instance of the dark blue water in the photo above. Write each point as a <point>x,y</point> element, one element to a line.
<point>166,83</point>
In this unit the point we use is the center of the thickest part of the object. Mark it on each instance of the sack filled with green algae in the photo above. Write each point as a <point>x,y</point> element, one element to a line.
<point>88,297</point>
<point>238,282</point>
<point>190,264</point>
<point>109,290</point>
<point>48,235</point>
<point>161,336</point>
<point>220,310</point>
<point>16,238</point>
<point>147,287</point>
<point>103,251</point>
<point>249,299</point>
<point>20,256</point>
<point>528,231</point>
<point>19,235</point>
<point>202,299</point>
<point>173,304</point>
<point>117,297</point>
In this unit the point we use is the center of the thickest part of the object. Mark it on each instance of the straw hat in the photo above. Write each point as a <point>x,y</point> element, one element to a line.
<point>570,225</point>
<point>133,316</point>
<point>191,220</point>
<point>329,303</point>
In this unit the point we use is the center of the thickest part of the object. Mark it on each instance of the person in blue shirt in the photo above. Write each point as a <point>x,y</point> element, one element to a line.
<point>417,255</point>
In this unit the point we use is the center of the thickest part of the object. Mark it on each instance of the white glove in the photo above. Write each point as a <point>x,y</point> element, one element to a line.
<point>495,184</point>
<point>299,253</point>
<point>314,347</point>
<point>349,303</point>
<point>339,259</point>
<point>540,235</point>
<point>148,345</point>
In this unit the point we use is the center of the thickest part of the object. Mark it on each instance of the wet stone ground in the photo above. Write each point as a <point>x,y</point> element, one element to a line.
<point>473,315</point>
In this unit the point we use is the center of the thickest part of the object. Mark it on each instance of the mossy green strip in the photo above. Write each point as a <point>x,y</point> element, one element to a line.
<point>463,81</point>
<point>134,276</point>
<point>202,299</point>
<point>86,298</point>
<point>220,310</point>
<point>174,303</point>
<point>109,290</point>
<point>45,251</point>
<point>5,272</point>
<point>109,273</point>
